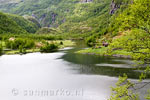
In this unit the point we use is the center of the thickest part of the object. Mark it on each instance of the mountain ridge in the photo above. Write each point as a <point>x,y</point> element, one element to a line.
<point>64,13</point>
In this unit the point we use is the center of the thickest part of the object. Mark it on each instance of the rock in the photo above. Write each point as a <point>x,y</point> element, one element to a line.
<point>53,15</point>
<point>86,1</point>
<point>105,44</point>
<point>122,56</point>
<point>114,7</point>
<point>11,39</point>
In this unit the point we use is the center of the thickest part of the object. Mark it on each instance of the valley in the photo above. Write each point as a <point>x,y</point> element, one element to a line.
<point>99,31</point>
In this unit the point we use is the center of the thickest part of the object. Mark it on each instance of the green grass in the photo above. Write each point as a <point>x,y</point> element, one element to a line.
<point>17,51</point>
<point>100,51</point>
<point>2,43</point>
<point>66,43</point>
<point>121,52</point>
<point>104,52</point>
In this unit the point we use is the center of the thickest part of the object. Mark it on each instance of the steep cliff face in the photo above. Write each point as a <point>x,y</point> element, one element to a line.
<point>116,4</point>
<point>114,7</point>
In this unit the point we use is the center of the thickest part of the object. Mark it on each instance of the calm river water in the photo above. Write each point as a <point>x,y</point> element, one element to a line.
<point>63,75</point>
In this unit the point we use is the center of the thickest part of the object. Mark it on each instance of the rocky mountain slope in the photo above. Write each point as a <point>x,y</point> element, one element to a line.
<point>71,16</point>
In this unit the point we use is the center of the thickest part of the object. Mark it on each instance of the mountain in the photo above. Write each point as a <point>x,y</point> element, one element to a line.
<point>75,16</point>
<point>7,25</point>
<point>70,16</point>
<point>24,23</point>
<point>10,23</point>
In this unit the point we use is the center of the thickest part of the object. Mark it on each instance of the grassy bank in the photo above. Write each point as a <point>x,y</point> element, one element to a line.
<point>99,51</point>
<point>60,44</point>
<point>104,51</point>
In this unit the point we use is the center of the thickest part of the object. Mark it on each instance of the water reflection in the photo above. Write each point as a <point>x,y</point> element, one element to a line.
<point>21,77</point>
<point>99,65</point>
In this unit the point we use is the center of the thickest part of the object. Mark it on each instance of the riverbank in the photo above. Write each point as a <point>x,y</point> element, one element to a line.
<point>103,51</point>
<point>65,43</point>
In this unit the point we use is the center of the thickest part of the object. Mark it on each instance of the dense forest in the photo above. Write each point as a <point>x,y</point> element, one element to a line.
<point>109,27</point>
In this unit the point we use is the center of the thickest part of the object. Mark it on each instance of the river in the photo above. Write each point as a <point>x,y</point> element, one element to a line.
<point>62,75</point>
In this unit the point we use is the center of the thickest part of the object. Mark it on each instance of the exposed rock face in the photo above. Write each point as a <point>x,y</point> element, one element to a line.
<point>114,7</point>
<point>47,19</point>
<point>86,1</point>
<point>53,15</point>
<point>64,20</point>
<point>42,17</point>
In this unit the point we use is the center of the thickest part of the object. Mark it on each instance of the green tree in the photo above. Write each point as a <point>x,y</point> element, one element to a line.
<point>49,48</point>
<point>123,90</point>
<point>135,19</point>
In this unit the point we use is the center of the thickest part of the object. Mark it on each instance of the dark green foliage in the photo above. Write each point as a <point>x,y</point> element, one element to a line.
<point>7,25</point>
<point>49,48</point>
<point>20,43</point>
<point>22,49</point>
<point>24,23</point>
<point>61,43</point>
<point>16,24</point>
<point>90,41</point>
<point>37,37</point>
<point>1,50</point>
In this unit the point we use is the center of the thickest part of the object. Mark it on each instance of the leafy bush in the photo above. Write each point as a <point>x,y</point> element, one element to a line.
<point>131,42</point>
<point>90,41</point>
<point>49,48</point>
<point>26,43</point>
<point>22,50</point>
<point>123,90</point>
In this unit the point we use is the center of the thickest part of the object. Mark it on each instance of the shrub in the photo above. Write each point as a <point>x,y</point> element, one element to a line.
<point>61,43</point>
<point>90,41</point>
<point>29,44</point>
<point>49,48</point>
<point>22,50</point>
<point>26,43</point>
<point>1,50</point>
